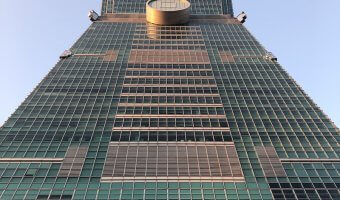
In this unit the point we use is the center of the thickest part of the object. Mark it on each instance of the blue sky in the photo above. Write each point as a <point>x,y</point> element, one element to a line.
<point>303,34</point>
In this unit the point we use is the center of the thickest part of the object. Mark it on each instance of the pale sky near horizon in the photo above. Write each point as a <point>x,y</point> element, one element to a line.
<point>303,34</point>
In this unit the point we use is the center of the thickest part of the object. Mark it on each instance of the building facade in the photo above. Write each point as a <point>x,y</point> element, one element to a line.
<point>188,111</point>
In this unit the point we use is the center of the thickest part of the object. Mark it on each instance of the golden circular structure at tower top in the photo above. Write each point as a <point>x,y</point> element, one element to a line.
<point>167,12</point>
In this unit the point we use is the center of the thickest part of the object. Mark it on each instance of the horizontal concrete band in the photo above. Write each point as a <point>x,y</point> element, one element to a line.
<point>171,116</point>
<point>31,160</point>
<point>304,160</point>
<point>165,35</point>
<point>168,105</point>
<point>142,15</point>
<point>172,143</point>
<point>168,85</point>
<point>166,69</point>
<point>178,29</point>
<point>173,77</point>
<point>89,54</point>
<point>171,129</point>
<point>172,179</point>
<point>167,94</point>
<point>135,44</point>
<point>163,40</point>
<point>110,55</point>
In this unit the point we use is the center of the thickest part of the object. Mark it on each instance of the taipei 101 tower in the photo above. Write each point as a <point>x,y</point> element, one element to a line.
<point>169,99</point>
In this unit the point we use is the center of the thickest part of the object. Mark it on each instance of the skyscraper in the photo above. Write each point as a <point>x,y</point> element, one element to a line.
<point>168,100</point>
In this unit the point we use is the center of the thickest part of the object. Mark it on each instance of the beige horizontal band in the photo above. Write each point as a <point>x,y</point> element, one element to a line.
<point>165,45</point>
<point>127,18</point>
<point>165,29</point>
<point>168,105</point>
<point>167,69</point>
<point>172,116</point>
<point>172,143</point>
<point>158,33</point>
<point>168,94</point>
<point>171,129</point>
<point>173,77</point>
<point>110,55</point>
<point>141,27</point>
<point>214,21</point>
<point>170,51</point>
<point>171,40</point>
<point>244,56</point>
<point>31,160</point>
<point>173,179</point>
<point>89,54</point>
<point>288,160</point>
<point>167,85</point>
<point>152,60</point>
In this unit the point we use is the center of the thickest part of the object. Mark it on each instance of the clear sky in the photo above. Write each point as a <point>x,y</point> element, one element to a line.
<point>303,34</point>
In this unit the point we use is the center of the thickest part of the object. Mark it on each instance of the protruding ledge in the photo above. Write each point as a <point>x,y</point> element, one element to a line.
<point>171,129</point>
<point>173,179</point>
<point>309,160</point>
<point>31,160</point>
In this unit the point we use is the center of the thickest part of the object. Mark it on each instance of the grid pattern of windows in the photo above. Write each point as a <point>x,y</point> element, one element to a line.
<point>266,107</point>
<point>168,57</point>
<point>308,181</point>
<point>107,6</point>
<point>98,100</point>
<point>202,7</point>
<point>171,136</point>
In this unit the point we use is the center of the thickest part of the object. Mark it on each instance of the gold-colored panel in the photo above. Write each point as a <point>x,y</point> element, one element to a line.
<point>146,56</point>
<point>167,12</point>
